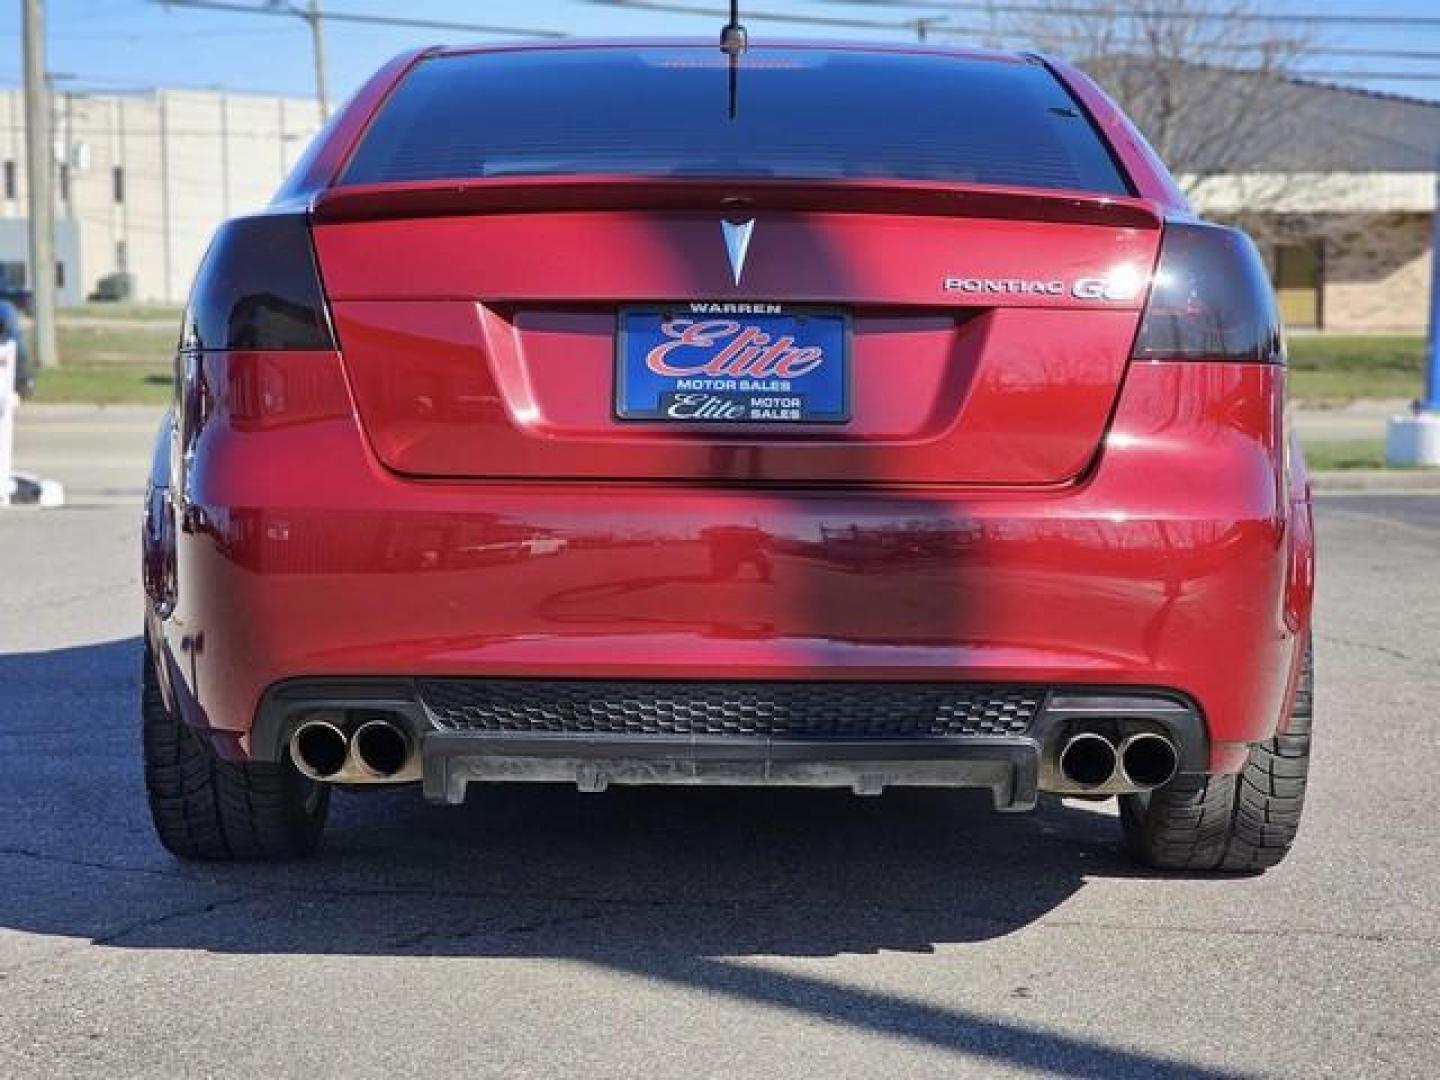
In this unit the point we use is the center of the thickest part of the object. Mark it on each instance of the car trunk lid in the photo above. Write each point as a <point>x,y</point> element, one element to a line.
<point>989,329</point>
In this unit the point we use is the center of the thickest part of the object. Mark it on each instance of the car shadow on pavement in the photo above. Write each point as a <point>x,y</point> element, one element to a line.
<point>694,888</point>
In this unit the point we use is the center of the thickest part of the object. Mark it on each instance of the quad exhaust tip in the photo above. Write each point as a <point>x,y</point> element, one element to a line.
<point>381,748</point>
<point>1143,761</point>
<point>1149,760</point>
<point>1088,760</point>
<point>377,750</point>
<point>319,749</point>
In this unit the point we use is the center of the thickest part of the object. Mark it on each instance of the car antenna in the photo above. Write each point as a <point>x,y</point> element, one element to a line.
<point>734,41</point>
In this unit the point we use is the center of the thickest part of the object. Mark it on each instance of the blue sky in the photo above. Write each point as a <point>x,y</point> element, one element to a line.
<point>117,44</point>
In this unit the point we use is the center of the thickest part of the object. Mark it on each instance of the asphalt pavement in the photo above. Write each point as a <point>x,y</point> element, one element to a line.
<point>543,932</point>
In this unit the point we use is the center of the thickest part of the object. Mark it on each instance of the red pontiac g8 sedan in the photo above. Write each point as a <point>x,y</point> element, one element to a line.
<point>652,413</point>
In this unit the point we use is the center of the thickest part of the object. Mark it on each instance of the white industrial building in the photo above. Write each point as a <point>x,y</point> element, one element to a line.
<point>142,179</point>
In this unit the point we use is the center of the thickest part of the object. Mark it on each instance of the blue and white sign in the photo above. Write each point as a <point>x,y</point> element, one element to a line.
<point>733,363</point>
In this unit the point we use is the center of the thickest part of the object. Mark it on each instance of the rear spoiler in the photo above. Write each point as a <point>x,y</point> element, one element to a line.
<point>372,202</point>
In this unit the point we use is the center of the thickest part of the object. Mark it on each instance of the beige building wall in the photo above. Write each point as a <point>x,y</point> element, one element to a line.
<point>1372,231</point>
<point>1373,269</point>
<point>186,160</point>
<point>1377,273</point>
<point>12,153</point>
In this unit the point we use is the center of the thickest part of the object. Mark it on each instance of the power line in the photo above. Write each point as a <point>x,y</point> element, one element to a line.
<point>1392,76</point>
<point>1308,49</point>
<point>119,85</point>
<point>794,18</point>
<point>1347,19</point>
<point>1373,54</point>
<point>937,27</point>
<point>1239,48</point>
<point>360,18</point>
<point>140,35</point>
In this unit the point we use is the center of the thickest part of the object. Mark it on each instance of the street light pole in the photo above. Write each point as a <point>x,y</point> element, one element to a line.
<point>39,153</point>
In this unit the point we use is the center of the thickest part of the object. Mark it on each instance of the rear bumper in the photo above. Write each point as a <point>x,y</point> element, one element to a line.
<point>1008,769</point>
<point>1170,564</point>
<point>861,736</point>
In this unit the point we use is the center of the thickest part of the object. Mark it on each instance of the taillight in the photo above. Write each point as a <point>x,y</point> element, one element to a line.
<point>258,288</point>
<point>1210,300</point>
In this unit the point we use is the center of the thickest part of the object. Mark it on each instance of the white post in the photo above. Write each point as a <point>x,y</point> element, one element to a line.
<point>18,488</point>
<point>8,400</point>
<point>1414,438</point>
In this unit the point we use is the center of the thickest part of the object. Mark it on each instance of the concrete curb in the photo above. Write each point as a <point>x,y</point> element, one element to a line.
<point>70,410</point>
<point>1416,480</point>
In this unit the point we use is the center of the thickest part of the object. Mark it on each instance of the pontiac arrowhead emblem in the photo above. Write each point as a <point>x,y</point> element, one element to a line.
<point>737,243</point>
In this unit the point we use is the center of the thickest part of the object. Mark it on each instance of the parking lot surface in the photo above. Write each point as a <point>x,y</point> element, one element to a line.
<point>545,932</point>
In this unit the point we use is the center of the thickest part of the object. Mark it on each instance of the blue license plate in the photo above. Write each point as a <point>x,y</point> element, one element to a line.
<point>729,363</point>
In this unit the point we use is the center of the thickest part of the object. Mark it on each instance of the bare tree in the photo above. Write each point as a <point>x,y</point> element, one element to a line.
<point>1210,86</point>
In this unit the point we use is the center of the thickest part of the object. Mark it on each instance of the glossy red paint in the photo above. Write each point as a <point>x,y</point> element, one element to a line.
<point>448,495</point>
<point>926,199</point>
<point>1004,396</point>
<point>300,553</point>
<point>1008,388</point>
<point>560,249</point>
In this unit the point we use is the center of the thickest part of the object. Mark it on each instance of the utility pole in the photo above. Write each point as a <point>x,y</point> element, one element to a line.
<point>317,39</point>
<point>39,153</point>
<point>922,26</point>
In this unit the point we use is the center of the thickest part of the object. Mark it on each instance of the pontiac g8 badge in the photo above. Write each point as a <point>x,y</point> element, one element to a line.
<point>1120,285</point>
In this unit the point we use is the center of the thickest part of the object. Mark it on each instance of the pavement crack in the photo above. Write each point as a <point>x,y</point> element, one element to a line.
<point>534,926</point>
<point>593,908</point>
<point>188,911</point>
<point>1375,937</point>
<point>1368,646</point>
<point>116,937</point>
<point>93,864</point>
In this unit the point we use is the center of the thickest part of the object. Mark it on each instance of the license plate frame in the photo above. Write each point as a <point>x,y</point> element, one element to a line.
<point>817,396</point>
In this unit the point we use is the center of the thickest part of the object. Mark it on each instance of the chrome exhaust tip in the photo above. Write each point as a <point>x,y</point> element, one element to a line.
<point>1088,760</point>
<point>319,749</point>
<point>1149,760</point>
<point>382,748</point>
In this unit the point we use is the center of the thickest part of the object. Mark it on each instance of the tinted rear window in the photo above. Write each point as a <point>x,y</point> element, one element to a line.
<point>799,113</point>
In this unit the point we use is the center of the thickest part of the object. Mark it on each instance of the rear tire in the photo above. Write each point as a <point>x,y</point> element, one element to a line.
<point>207,808</point>
<point>1231,824</point>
